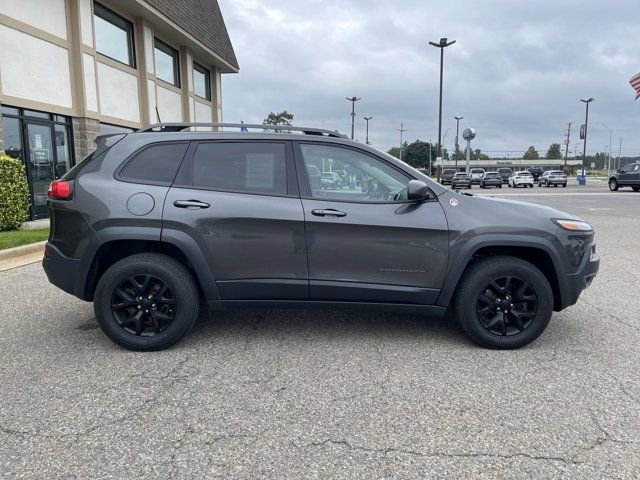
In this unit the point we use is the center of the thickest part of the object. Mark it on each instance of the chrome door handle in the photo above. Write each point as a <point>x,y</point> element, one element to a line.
<point>190,204</point>
<point>329,212</point>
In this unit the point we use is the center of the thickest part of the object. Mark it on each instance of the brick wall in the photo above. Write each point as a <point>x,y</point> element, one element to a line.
<point>85,131</point>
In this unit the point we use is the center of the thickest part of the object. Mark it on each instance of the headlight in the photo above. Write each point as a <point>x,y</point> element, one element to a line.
<point>573,225</point>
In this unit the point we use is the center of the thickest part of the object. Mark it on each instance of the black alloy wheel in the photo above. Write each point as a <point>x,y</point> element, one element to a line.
<point>143,305</point>
<point>507,306</point>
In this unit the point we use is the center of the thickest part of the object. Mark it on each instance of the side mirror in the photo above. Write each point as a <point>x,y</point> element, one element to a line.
<point>417,190</point>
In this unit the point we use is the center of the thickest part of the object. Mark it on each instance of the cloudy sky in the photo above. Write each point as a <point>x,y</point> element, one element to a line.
<point>516,73</point>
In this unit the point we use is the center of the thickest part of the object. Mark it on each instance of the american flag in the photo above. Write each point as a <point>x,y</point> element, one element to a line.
<point>635,83</point>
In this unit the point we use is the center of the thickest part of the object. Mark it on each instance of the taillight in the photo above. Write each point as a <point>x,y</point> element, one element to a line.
<point>60,189</point>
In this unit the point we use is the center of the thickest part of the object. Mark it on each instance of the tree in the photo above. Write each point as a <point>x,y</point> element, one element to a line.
<point>554,151</point>
<point>394,152</point>
<point>417,154</point>
<point>283,118</point>
<point>531,153</point>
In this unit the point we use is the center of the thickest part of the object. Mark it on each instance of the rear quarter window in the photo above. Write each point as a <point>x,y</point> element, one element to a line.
<point>155,164</point>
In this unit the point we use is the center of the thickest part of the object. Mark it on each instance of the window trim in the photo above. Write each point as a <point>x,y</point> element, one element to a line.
<point>305,187</point>
<point>172,52</point>
<point>118,173</point>
<point>290,172</point>
<point>117,20</point>
<point>207,75</point>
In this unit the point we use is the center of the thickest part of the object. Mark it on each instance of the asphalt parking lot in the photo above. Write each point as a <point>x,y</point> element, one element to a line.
<point>324,394</point>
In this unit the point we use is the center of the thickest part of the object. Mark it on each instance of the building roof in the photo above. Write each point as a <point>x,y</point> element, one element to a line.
<point>203,19</point>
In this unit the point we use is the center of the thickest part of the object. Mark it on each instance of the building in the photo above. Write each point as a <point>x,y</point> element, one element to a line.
<point>73,69</point>
<point>516,164</point>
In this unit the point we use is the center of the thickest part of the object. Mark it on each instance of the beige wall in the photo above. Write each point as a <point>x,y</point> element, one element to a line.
<point>48,61</point>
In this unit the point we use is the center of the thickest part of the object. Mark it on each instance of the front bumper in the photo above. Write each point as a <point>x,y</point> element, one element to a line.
<point>572,285</point>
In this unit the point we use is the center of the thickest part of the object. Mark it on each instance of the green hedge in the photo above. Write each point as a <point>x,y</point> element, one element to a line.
<point>14,194</point>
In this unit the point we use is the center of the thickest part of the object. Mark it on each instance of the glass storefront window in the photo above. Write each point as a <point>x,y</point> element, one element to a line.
<point>167,67</point>
<point>108,129</point>
<point>36,114</point>
<point>12,134</point>
<point>9,110</point>
<point>63,150</point>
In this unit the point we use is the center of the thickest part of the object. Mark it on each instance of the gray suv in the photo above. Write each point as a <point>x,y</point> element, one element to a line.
<point>156,223</point>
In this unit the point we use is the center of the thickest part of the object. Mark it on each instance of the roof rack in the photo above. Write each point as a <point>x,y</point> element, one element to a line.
<point>178,127</point>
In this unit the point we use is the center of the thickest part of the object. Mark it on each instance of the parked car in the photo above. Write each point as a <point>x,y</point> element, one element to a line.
<point>234,223</point>
<point>536,172</point>
<point>331,180</point>
<point>315,177</point>
<point>343,176</point>
<point>447,175</point>
<point>629,176</point>
<point>552,177</point>
<point>476,175</point>
<point>505,173</point>
<point>523,178</point>
<point>491,179</point>
<point>461,180</point>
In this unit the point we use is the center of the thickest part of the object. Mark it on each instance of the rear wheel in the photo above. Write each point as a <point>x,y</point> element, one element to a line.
<point>146,301</point>
<point>613,185</point>
<point>503,302</point>
<point>564,185</point>
<point>636,188</point>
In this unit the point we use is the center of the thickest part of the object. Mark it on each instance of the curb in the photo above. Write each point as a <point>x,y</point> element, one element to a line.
<point>23,250</point>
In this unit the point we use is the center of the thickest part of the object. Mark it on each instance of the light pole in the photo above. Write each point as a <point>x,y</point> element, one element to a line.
<point>401,130</point>
<point>609,156</point>
<point>353,101</point>
<point>457,146</point>
<point>586,101</point>
<point>441,45</point>
<point>367,120</point>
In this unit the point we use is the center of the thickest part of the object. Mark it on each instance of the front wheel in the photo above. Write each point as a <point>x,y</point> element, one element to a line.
<point>503,302</point>
<point>147,301</point>
<point>636,188</point>
<point>613,185</point>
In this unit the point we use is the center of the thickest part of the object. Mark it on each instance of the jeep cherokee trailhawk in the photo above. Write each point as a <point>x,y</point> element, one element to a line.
<point>155,221</point>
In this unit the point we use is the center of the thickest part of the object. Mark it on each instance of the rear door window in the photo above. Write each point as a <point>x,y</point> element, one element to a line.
<point>156,164</point>
<point>247,167</point>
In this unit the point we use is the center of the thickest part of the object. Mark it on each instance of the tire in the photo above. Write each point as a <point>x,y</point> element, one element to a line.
<point>613,185</point>
<point>564,185</point>
<point>636,188</point>
<point>476,281</point>
<point>154,270</point>
<point>500,186</point>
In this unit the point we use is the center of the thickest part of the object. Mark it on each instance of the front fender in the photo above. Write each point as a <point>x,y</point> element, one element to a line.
<point>465,254</point>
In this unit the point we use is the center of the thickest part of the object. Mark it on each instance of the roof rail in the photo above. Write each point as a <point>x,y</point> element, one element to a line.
<point>178,127</point>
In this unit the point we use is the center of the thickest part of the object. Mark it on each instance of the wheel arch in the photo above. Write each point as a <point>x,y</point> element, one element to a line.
<point>115,247</point>
<point>538,252</point>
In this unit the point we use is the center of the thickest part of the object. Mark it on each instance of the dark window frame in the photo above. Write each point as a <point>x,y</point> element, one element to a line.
<point>172,52</point>
<point>122,23</point>
<point>207,76</point>
<point>119,172</point>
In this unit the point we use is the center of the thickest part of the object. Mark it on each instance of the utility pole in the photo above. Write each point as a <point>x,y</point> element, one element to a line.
<point>353,101</point>
<point>457,147</point>
<point>401,130</point>
<point>619,153</point>
<point>430,147</point>
<point>441,45</point>
<point>586,101</point>
<point>566,147</point>
<point>367,120</point>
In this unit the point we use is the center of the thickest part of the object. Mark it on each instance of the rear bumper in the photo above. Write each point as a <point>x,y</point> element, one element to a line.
<point>556,181</point>
<point>62,271</point>
<point>573,284</point>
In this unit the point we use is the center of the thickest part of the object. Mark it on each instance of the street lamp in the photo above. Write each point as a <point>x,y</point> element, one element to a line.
<point>367,120</point>
<point>441,45</point>
<point>457,146</point>
<point>353,101</point>
<point>586,101</point>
